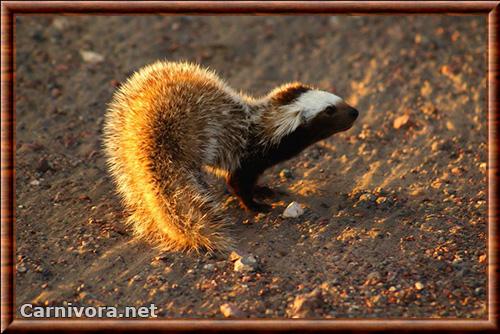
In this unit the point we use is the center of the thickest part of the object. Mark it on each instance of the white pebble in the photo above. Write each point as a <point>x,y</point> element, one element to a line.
<point>245,264</point>
<point>293,210</point>
<point>91,56</point>
<point>35,183</point>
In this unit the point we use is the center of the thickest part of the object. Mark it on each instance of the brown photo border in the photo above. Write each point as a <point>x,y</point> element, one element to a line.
<point>11,8</point>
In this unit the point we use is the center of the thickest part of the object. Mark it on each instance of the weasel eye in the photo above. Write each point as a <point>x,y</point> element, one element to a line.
<point>330,110</point>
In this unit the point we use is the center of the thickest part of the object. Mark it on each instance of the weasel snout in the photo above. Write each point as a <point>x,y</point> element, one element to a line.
<point>353,113</point>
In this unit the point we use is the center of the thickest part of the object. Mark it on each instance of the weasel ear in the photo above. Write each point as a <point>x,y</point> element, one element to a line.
<point>288,93</point>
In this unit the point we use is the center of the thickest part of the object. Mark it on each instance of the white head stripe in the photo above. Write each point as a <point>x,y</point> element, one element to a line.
<point>313,102</point>
<point>305,108</point>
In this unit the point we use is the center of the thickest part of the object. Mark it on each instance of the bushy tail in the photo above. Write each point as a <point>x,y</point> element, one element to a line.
<point>170,204</point>
<point>186,218</point>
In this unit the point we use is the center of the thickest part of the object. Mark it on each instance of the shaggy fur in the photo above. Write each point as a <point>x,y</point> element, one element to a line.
<point>170,122</point>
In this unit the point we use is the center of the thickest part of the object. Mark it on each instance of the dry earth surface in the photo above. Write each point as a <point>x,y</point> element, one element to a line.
<point>395,221</point>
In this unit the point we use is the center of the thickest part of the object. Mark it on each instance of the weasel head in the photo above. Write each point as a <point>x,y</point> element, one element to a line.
<point>297,106</point>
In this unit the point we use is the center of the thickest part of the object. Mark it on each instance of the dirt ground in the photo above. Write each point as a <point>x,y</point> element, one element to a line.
<point>395,224</point>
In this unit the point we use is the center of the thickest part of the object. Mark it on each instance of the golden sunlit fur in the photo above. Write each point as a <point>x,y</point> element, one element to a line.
<point>175,209</point>
<point>166,127</point>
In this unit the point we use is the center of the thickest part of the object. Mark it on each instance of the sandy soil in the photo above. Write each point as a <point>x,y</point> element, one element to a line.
<point>396,213</point>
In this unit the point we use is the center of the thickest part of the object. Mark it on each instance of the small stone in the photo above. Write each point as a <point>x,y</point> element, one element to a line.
<point>380,191</point>
<point>35,183</point>
<point>84,197</point>
<point>43,165</point>
<point>366,200</point>
<point>245,264</point>
<point>429,109</point>
<point>21,268</point>
<point>446,70</point>
<point>401,121</point>
<point>416,192</point>
<point>436,184</point>
<point>482,166</point>
<point>91,56</point>
<point>419,286</point>
<point>435,146</point>
<point>305,305</point>
<point>209,266</point>
<point>293,210</point>
<point>482,258</point>
<point>231,311</point>
<point>479,291</point>
<point>367,197</point>
<point>235,255</point>
<point>246,278</point>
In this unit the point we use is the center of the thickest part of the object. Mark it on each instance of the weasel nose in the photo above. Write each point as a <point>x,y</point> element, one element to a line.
<point>354,113</point>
